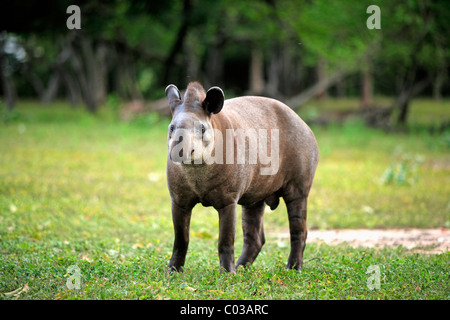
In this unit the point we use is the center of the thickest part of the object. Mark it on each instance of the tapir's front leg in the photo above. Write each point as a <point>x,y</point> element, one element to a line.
<point>181,221</point>
<point>227,230</point>
<point>252,227</point>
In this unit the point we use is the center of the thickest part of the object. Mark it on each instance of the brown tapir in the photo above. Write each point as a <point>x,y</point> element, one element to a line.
<point>207,163</point>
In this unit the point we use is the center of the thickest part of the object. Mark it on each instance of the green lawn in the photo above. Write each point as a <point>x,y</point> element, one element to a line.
<point>77,189</point>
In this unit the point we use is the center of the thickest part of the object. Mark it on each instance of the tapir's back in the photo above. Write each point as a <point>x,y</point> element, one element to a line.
<point>267,113</point>
<point>298,151</point>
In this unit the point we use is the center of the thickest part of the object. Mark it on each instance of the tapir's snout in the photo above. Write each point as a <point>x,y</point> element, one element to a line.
<point>181,148</point>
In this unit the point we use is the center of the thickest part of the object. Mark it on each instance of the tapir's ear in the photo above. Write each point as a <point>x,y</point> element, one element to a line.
<point>213,102</point>
<point>173,95</point>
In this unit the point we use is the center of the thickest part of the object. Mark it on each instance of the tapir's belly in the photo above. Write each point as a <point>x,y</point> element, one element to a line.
<point>224,187</point>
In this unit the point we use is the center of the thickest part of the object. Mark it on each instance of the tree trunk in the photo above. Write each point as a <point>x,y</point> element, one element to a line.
<point>101,73</point>
<point>273,73</point>
<point>89,69</point>
<point>178,44</point>
<point>52,88</point>
<point>366,86</point>
<point>48,94</point>
<point>297,72</point>
<point>341,89</point>
<point>404,107</point>
<point>77,59</point>
<point>322,77</point>
<point>289,72</point>
<point>72,88</point>
<point>214,63</point>
<point>125,82</point>
<point>34,80</point>
<point>256,72</point>
<point>319,87</point>
<point>9,92</point>
<point>192,60</point>
<point>437,85</point>
<point>380,117</point>
<point>130,77</point>
<point>402,101</point>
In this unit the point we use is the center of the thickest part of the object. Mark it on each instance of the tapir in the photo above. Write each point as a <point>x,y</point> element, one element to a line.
<point>205,126</point>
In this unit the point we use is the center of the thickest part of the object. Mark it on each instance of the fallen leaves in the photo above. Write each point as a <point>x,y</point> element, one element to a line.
<point>16,293</point>
<point>12,208</point>
<point>137,245</point>
<point>154,176</point>
<point>85,257</point>
<point>188,288</point>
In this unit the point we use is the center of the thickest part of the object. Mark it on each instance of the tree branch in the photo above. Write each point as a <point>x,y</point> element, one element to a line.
<point>178,44</point>
<point>320,86</point>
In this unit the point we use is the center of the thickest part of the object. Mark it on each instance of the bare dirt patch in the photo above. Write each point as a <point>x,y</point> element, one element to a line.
<point>431,241</point>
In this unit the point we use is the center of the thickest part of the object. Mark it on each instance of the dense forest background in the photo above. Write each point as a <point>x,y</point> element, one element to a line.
<point>83,145</point>
<point>292,50</point>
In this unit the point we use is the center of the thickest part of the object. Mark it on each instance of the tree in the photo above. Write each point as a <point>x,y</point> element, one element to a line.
<point>7,60</point>
<point>181,35</point>
<point>294,50</point>
<point>334,37</point>
<point>415,47</point>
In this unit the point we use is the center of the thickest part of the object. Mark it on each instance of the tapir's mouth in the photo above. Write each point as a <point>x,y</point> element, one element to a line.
<point>178,154</point>
<point>187,161</point>
<point>193,162</point>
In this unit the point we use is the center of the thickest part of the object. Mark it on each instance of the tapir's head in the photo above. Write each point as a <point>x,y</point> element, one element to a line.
<point>191,131</point>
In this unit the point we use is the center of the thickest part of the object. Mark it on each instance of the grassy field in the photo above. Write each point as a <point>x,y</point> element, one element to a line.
<point>90,191</point>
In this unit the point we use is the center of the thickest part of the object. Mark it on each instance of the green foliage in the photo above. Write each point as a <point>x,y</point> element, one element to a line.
<point>413,35</point>
<point>292,35</point>
<point>405,171</point>
<point>8,115</point>
<point>253,21</point>
<point>146,79</point>
<point>333,30</point>
<point>113,103</point>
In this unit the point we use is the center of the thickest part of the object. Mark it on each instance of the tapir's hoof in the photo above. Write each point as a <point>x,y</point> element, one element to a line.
<point>243,265</point>
<point>230,269</point>
<point>296,266</point>
<point>172,269</point>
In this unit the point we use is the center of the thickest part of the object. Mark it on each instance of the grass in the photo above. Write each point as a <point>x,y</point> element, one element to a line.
<point>77,189</point>
<point>116,270</point>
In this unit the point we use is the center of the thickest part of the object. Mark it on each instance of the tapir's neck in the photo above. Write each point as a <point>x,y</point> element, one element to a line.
<point>204,180</point>
<point>221,121</point>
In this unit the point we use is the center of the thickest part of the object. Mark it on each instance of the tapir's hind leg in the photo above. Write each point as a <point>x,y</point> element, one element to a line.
<point>252,227</point>
<point>297,227</point>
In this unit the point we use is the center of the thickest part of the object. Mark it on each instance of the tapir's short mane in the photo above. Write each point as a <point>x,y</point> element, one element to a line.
<point>194,92</point>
